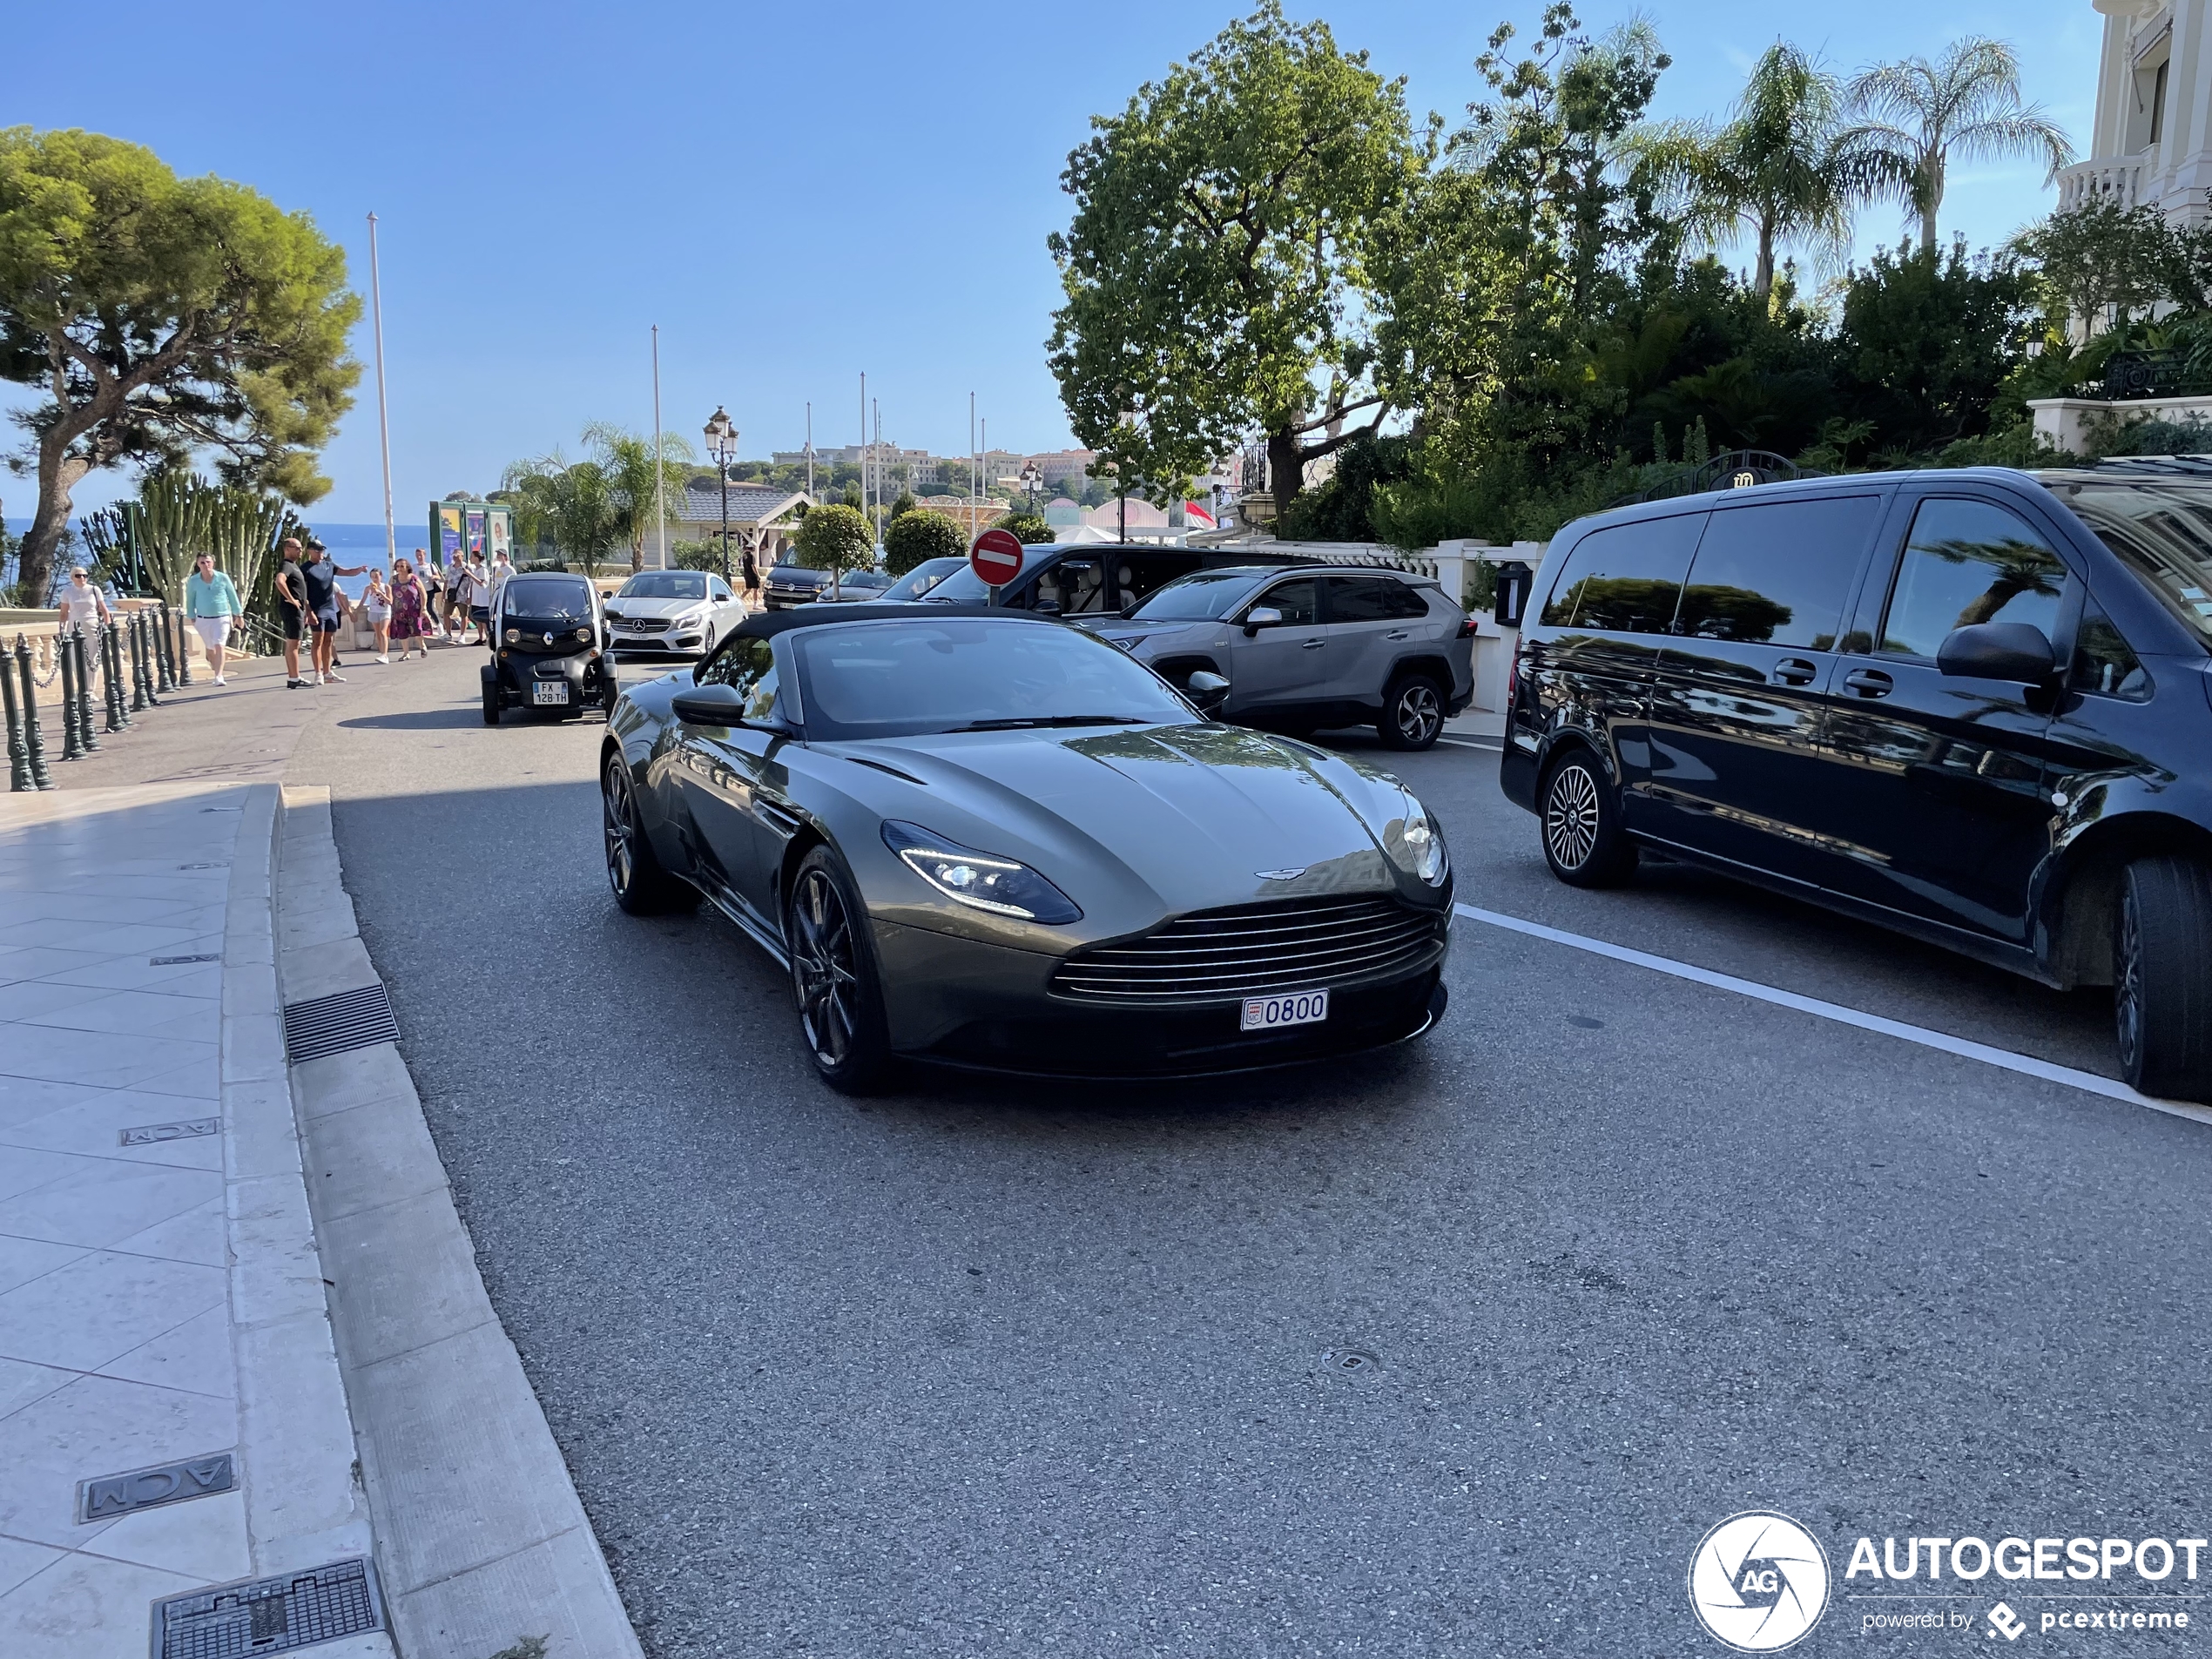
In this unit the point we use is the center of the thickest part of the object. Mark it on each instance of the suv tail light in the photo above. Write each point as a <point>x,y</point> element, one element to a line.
<point>1467,630</point>
<point>1512,680</point>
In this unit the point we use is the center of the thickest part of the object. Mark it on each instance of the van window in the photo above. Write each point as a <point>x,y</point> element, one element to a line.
<point>1139,574</point>
<point>1627,579</point>
<point>1969,561</point>
<point>1778,573</point>
<point>2104,665</point>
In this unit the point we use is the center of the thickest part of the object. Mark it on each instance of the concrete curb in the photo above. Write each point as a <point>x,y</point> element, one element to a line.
<point>304,1501</point>
<point>481,1541</point>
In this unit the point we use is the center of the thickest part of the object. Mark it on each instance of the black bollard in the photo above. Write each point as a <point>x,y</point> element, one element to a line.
<point>33,740</point>
<point>142,675</point>
<point>72,730</point>
<point>181,634</point>
<point>155,634</point>
<point>85,734</point>
<point>164,669</point>
<point>110,649</point>
<point>19,776</point>
<point>134,639</point>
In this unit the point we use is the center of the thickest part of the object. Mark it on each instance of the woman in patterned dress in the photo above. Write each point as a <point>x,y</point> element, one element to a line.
<point>410,624</point>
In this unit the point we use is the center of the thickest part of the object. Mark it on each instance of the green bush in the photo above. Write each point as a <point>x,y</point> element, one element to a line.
<point>1029,529</point>
<point>834,537</point>
<point>919,535</point>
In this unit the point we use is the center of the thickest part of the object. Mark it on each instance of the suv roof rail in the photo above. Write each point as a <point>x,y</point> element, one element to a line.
<point>2196,466</point>
<point>1732,469</point>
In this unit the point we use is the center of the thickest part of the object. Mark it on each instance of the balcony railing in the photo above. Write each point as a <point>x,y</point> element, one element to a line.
<point>2118,181</point>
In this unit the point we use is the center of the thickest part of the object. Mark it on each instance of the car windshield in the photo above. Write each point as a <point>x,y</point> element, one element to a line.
<point>962,587</point>
<point>664,584</point>
<point>558,598</point>
<point>922,579</point>
<point>1200,596</point>
<point>895,680</point>
<point>2161,530</point>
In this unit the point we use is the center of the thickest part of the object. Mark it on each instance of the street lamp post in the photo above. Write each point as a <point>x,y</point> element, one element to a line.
<point>1032,476</point>
<point>722,444</point>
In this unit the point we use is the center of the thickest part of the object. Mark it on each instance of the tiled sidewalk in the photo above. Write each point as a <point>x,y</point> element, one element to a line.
<point>127,1295</point>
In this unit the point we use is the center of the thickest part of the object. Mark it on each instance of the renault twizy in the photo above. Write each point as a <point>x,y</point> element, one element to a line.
<point>549,649</point>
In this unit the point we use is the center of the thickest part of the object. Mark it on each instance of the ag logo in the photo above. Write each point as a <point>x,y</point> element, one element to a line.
<point>1759,1582</point>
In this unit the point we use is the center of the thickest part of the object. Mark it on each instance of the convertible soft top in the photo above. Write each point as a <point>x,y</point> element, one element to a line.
<point>765,624</point>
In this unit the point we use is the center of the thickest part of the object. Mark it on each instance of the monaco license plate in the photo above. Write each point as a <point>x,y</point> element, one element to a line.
<point>549,691</point>
<point>1300,1008</point>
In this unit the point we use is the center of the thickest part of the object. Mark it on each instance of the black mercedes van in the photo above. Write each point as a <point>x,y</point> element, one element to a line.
<point>1974,705</point>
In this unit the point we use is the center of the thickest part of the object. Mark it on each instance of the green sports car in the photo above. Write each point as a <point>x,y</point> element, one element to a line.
<point>986,839</point>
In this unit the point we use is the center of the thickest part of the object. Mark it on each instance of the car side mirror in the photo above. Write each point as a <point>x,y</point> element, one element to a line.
<point>1261,616</point>
<point>1998,651</point>
<point>1207,691</point>
<point>712,704</point>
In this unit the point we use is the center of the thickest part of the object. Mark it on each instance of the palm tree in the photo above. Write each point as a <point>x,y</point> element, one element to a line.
<point>1775,171</point>
<point>626,462</point>
<point>1914,115</point>
<point>574,501</point>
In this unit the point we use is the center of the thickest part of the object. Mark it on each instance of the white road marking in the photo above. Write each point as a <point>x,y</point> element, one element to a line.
<point>2026,1064</point>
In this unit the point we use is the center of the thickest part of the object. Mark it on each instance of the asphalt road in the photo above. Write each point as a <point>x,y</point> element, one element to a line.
<point>997,1369</point>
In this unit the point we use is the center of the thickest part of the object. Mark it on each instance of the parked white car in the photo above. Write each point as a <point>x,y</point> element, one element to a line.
<point>672,612</point>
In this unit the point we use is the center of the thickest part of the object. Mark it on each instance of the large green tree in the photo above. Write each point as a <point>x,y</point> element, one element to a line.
<point>158,319</point>
<point>834,537</point>
<point>1913,116</point>
<point>572,503</point>
<point>1215,266</point>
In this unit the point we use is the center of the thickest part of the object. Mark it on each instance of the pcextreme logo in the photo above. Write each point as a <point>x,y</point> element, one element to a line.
<point>1759,1582</point>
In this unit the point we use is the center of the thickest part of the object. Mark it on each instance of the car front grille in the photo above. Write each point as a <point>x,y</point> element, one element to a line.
<point>1211,955</point>
<point>642,625</point>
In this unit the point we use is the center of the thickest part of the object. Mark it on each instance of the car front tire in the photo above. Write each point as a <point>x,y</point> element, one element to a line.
<point>642,884</point>
<point>491,699</point>
<point>2161,978</point>
<point>1413,713</point>
<point>1579,813</point>
<point>833,978</point>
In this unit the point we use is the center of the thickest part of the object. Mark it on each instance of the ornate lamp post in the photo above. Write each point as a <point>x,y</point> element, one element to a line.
<point>722,444</point>
<point>1032,476</point>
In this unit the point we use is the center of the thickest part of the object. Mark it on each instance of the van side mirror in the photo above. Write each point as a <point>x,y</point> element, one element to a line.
<point>1998,651</point>
<point>1207,691</point>
<point>1261,616</point>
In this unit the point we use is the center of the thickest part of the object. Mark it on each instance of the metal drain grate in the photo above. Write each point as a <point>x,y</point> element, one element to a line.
<point>330,1025</point>
<point>270,1614</point>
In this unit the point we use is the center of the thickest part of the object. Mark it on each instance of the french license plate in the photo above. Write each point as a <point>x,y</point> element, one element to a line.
<point>1301,1007</point>
<point>549,691</point>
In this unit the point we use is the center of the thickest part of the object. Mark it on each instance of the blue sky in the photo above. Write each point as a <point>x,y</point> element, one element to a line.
<point>794,193</point>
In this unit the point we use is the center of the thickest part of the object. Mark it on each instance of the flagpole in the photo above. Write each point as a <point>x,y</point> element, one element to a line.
<point>660,492</point>
<point>383,417</point>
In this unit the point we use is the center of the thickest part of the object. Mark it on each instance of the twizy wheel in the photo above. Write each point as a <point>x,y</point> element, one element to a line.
<point>833,976</point>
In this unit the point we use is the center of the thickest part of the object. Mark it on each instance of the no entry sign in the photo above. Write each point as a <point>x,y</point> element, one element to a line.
<point>996,556</point>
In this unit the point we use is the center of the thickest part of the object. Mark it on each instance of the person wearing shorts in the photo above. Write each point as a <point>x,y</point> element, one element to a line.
<point>321,576</point>
<point>478,579</point>
<point>292,609</point>
<point>212,606</point>
<point>376,605</point>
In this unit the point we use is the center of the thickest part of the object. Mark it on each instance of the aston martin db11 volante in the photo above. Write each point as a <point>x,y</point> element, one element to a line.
<point>987,839</point>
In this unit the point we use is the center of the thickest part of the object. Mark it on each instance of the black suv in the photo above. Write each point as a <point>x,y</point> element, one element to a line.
<point>1974,706</point>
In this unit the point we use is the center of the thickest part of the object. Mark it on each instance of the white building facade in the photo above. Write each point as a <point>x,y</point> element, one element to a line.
<point>2152,143</point>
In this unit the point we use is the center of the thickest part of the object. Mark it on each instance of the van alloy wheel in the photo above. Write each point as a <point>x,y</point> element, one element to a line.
<point>1570,817</point>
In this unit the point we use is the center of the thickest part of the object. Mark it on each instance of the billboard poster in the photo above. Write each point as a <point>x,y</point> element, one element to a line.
<point>449,530</point>
<point>498,534</point>
<point>476,533</point>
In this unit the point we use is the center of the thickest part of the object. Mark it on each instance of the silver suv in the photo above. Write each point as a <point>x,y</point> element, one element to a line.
<point>1311,647</point>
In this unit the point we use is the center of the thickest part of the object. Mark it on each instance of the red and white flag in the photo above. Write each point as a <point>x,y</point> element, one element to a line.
<point>1197,515</point>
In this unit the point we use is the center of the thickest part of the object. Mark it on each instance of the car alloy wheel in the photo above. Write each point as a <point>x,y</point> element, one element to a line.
<point>824,969</point>
<point>1417,713</point>
<point>1570,817</point>
<point>618,819</point>
<point>642,884</point>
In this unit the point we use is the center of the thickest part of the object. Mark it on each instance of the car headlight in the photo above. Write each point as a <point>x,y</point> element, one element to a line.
<point>980,881</point>
<point>1416,844</point>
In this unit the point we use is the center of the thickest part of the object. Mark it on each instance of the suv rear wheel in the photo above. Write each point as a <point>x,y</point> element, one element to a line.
<point>1581,817</point>
<point>2162,977</point>
<point>1413,713</point>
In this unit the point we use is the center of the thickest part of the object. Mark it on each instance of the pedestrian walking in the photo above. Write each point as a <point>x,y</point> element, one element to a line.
<point>456,616</point>
<point>410,610</point>
<point>376,605</point>
<point>291,608</point>
<point>82,606</point>
<point>478,578</point>
<point>434,593</point>
<point>752,573</point>
<point>212,608</point>
<point>321,576</point>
